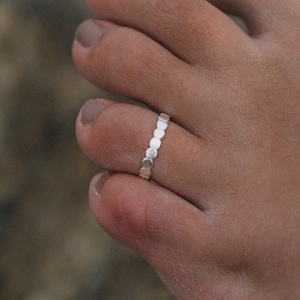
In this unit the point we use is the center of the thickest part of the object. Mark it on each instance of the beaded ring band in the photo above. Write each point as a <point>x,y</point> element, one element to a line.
<point>154,145</point>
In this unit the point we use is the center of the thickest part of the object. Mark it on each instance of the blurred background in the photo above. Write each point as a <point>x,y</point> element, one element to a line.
<point>50,244</point>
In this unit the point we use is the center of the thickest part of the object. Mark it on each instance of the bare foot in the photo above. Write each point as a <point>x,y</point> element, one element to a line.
<point>223,221</point>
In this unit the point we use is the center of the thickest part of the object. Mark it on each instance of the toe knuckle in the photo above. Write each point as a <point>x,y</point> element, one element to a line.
<point>115,133</point>
<point>168,8</point>
<point>126,58</point>
<point>124,211</point>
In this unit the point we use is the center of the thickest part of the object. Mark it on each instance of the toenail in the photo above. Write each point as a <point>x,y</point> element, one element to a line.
<point>101,179</point>
<point>90,111</point>
<point>89,32</point>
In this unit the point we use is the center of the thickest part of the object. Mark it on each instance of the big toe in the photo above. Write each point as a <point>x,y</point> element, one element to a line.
<point>165,229</point>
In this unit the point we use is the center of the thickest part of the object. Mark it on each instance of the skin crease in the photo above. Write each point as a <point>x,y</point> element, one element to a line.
<point>222,222</point>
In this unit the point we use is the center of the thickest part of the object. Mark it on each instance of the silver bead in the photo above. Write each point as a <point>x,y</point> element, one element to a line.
<point>155,143</point>
<point>151,153</point>
<point>147,163</point>
<point>161,124</point>
<point>159,133</point>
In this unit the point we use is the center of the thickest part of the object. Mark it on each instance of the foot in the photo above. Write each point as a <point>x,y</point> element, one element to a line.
<point>222,222</point>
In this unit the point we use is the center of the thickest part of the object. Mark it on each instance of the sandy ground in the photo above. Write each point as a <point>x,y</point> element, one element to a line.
<point>50,245</point>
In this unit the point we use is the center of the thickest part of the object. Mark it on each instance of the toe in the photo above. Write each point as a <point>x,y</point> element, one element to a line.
<point>117,139</point>
<point>127,62</point>
<point>162,227</point>
<point>129,208</point>
<point>193,30</point>
<point>262,17</point>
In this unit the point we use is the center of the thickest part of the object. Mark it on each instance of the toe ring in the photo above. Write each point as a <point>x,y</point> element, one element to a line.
<point>154,145</point>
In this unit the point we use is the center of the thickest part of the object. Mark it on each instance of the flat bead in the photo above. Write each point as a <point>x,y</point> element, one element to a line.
<point>155,143</point>
<point>162,124</point>
<point>159,133</point>
<point>147,163</point>
<point>151,153</point>
<point>164,117</point>
<point>144,177</point>
<point>145,173</point>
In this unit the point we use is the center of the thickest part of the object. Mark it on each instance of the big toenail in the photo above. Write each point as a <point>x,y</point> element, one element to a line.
<point>90,111</point>
<point>89,32</point>
<point>101,179</point>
